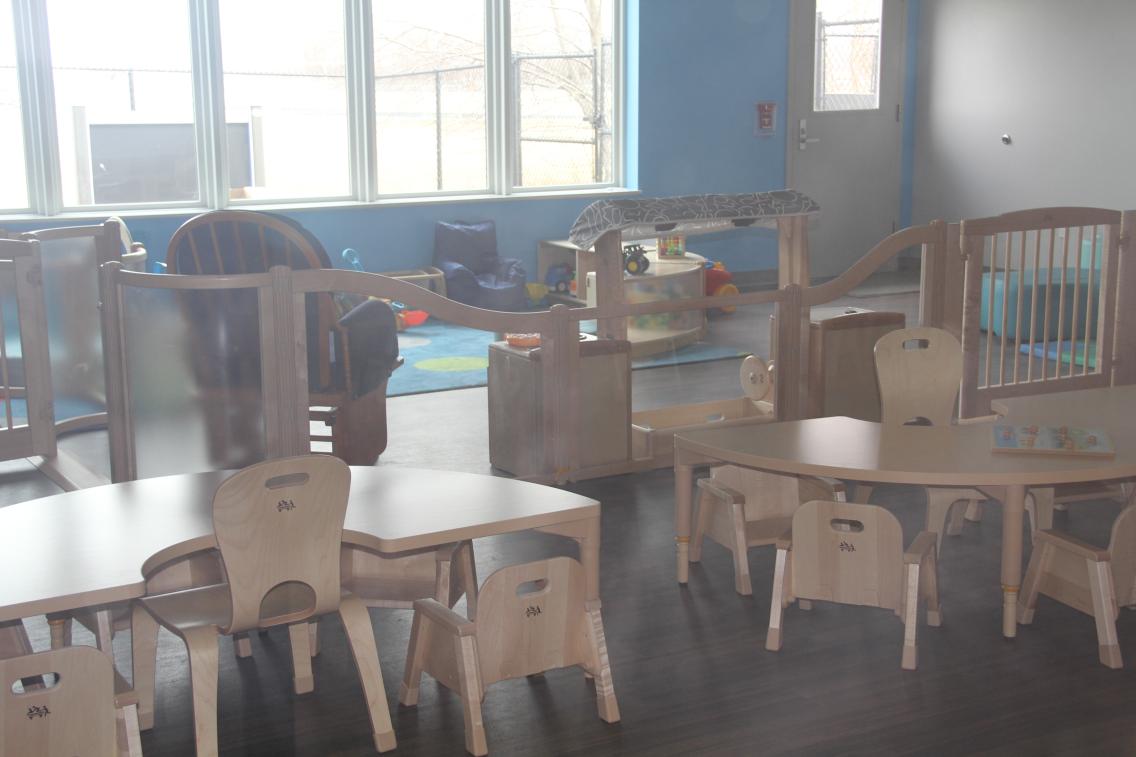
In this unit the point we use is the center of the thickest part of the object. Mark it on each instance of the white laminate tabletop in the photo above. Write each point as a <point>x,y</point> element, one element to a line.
<point>864,451</point>
<point>88,547</point>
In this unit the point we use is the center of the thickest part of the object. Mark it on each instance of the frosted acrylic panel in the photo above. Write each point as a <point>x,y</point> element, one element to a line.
<point>193,368</point>
<point>847,67</point>
<point>71,294</point>
<point>13,409</point>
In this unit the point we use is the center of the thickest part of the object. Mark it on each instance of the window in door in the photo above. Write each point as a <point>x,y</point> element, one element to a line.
<point>847,70</point>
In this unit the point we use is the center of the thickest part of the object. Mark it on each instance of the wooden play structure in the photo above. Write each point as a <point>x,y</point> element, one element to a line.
<point>553,437</point>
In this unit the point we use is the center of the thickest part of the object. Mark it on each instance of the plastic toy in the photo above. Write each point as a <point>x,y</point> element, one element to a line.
<point>719,283</point>
<point>634,261</point>
<point>673,246</point>
<point>560,278</point>
<point>537,293</point>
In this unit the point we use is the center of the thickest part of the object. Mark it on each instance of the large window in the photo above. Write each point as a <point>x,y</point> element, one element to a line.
<point>562,80</point>
<point>123,112</point>
<point>136,103</point>
<point>13,185</point>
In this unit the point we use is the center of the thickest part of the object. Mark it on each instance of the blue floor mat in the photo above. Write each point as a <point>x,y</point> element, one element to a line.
<point>440,356</point>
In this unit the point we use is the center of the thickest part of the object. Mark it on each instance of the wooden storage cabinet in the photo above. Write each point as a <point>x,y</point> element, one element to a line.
<point>842,363</point>
<point>842,375</point>
<point>516,399</point>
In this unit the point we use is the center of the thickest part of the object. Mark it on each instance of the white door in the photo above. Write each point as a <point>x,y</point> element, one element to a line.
<point>845,134</point>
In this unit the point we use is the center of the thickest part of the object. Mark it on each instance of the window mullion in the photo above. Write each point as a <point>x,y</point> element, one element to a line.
<point>498,81</point>
<point>209,103</point>
<point>360,72</point>
<point>37,92</point>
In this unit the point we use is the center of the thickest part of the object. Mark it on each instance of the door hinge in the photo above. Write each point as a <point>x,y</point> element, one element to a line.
<point>897,110</point>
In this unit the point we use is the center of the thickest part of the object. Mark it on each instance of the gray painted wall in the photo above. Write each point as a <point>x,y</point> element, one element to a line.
<point>1058,76</point>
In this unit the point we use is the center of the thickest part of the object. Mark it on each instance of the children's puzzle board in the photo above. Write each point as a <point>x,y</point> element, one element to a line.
<point>1052,440</point>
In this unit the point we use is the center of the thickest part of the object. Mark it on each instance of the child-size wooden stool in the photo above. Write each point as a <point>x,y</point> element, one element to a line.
<point>530,618</point>
<point>1094,581</point>
<point>853,554</point>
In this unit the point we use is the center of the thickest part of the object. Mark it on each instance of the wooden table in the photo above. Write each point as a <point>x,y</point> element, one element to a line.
<point>90,547</point>
<point>933,456</point>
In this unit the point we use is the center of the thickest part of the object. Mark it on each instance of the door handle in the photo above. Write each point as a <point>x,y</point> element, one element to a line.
<point>803,138</point>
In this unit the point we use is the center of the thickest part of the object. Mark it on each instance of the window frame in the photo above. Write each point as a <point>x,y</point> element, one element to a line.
<point>41,148</point>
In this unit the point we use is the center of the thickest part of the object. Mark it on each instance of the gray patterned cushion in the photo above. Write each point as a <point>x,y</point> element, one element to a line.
<point>645,217</point>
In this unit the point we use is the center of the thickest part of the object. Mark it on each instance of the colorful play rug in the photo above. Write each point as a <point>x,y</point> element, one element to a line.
<point>440,356</point>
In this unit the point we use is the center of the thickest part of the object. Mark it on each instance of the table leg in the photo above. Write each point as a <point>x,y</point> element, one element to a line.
<point>1013,509</point>
<point>684,482</point>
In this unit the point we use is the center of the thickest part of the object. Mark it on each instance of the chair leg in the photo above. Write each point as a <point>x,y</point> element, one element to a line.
<point>1104,611</point>
<point>361,639</point>
<point>1040,504</point>
<point>1031,585</point>
<point>60,628</point>
<point>129,738</point>
<point>469,685</point>
<point>911,619</point>
<point>605,689</point>
<point>443,590</point>
<point>242,645</point>
<point>957,516</point>
<point>104,633</point>
<point>929,588</point>
<point>776,602</point>
<point>300,642</point>
<point>415,657</point>
<point>939,504</point>
<point>863,493</point>
<point>201,643</point>
<point>742,584</point>
<point>467,577</point>
<point>705,509</point>
<point>313,638</point>
<point>143,662</point>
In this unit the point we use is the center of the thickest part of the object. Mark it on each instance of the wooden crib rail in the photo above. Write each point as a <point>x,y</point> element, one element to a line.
<point>1041,292</point>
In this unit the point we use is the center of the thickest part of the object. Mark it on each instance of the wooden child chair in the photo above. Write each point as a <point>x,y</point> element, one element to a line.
<point>1095,581</point>
<point>71,709</point>
<point>741,508</point>
<point>530,618</point>
<point>278,525</point>
<point>919,371</point>
<point>853,554</point>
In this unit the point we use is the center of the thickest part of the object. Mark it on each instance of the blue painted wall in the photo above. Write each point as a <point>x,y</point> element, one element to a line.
<point>699,69</point>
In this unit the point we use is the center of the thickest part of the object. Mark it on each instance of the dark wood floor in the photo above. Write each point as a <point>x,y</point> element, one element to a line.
<point>692,674</point>
<point>689,664</point>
